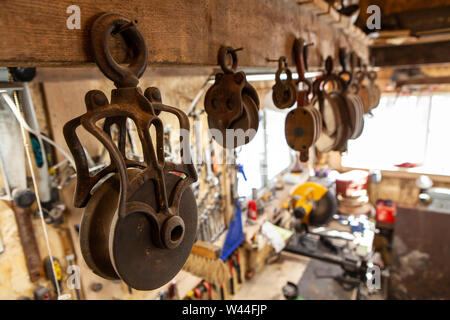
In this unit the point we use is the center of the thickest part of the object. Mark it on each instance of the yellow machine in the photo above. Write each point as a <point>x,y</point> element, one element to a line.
<point>313,203</point>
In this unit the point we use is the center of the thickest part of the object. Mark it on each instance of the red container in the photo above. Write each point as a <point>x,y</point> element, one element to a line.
<point>252,210</point>
<point>386,213</point>
<point>350,184</point>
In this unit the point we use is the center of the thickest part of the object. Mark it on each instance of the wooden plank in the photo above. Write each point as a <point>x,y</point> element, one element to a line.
<point>176,32</point>
<point>411,54</point>
<point>423,81</point>
<point>63,74</point>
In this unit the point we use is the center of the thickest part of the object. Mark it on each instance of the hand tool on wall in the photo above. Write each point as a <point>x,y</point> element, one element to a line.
<point>230,261</point>
<point>21,209</point>
<point>201,289</point>
<point>208,163</point>
<point>222,292</point>
<point>211,220</point>
<point>198,143</point>
<point>146,211</point>
<point>237,266</point>
<point>173,291</point>
<point>53,273</point>
<point>209,289</point>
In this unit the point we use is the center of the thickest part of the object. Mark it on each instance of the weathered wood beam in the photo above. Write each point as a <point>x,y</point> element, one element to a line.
<point>34,33</point>
<point>423,81</point>
<point>411,54</point>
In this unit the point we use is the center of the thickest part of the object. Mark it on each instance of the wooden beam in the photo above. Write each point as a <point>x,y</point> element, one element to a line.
<point>411,54</point>
<point>34,33</point>
<point>423,81</point>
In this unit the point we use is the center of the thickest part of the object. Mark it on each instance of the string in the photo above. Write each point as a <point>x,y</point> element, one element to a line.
<point>24,124</point>
<point>33,177</point>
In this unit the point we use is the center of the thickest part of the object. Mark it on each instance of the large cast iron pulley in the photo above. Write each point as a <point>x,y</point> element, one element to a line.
<point>140,218</point>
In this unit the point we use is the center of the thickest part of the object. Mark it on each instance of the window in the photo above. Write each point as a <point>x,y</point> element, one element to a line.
<point>254,157</point>
<point>404,129</point>
<point>251,158</point>
<point>278,153</point>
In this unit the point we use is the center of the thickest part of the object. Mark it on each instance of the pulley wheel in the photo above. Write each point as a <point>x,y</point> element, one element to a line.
<point>125,247</point>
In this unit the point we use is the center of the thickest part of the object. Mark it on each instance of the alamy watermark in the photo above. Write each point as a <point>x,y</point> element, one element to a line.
<point>373,277</point>
<point>74,20</point>
<point>374,20</point>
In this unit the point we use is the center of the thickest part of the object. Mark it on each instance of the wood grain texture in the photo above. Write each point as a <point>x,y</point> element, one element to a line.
<point>177,32</point>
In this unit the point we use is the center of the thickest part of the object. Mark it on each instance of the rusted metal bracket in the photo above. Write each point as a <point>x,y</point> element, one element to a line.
<point>146,208</point>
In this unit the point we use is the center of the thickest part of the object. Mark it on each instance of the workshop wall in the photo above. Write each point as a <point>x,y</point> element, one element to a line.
<point>14,280</point>
<point>403,190</point>
<point>50,98</point>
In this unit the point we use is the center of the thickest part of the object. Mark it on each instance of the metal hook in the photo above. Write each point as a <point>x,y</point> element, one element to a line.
<point>124,27</point>
<point>223,52</point>
<point>102,29</point>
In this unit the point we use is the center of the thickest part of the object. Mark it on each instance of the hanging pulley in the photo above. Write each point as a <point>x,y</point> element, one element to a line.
<point>140,218</point>
<point>232,104</point>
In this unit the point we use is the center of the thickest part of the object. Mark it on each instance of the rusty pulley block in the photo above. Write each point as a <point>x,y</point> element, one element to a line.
<point>330,93</point>
<point>140,218</point>
<point>284,92</point>
<point>304,123</point>
<point>232,104</point>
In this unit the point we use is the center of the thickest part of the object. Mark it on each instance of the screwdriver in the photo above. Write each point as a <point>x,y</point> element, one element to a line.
<point>52,276</point>
<point>231,279</point>
<point>237,266</point>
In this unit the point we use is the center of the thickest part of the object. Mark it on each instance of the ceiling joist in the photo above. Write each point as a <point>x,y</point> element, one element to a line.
<point>180,33</point>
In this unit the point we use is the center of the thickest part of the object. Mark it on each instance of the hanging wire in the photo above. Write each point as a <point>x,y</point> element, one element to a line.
<point>25,126</point>
<point>16,107</point>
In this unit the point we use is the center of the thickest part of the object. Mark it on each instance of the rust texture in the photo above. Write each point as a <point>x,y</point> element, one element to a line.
<point>28,241</point>
<point>232,103</point>
<point>139,225</point>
